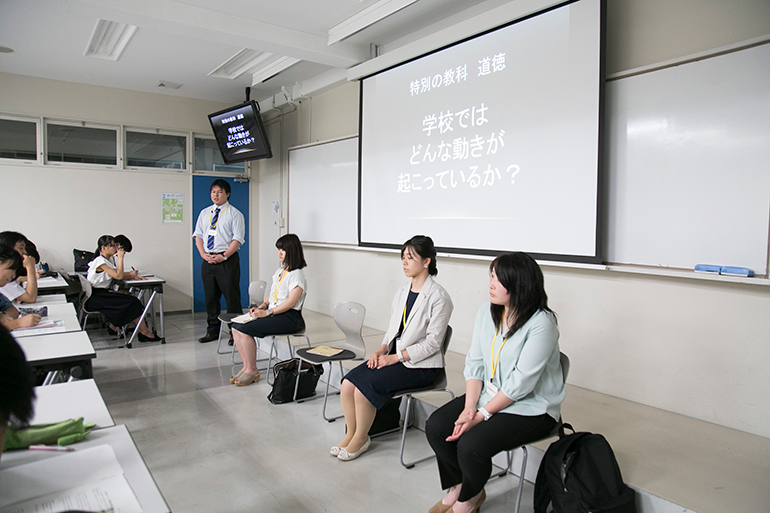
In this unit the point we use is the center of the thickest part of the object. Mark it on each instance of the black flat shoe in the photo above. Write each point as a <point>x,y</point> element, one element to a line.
<point>154,338</point>
<point>111,332</point>
<point>208,338</point>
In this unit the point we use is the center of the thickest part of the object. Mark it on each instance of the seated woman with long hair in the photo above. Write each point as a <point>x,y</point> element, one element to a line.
<point>279,314</point>
<point>410,355</point>
<point>120,309</point>
<point>513,384</point>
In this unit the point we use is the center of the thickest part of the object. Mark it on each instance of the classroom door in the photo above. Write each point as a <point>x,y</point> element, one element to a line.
<point>239,197</point>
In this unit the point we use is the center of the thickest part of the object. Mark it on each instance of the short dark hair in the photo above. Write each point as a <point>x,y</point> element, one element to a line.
<point>295,257</point>
<point>123,241</point>
<point>523,279</point>
<point>222,184</point>
<point>9,238</point>
<point>423,246</point>
<point>8,253</point>
<point>31,250</point>
<point>17,391</point>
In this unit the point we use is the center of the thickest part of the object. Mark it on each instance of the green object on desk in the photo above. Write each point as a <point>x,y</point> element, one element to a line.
<point>62,433</point>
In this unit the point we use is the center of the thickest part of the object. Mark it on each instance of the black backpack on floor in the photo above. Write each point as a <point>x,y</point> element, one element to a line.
<point>579,474</point>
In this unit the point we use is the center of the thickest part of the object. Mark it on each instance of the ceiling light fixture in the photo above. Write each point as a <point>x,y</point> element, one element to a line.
<point>272,69</point>
<point>109,39</point>
<point>240,63</point>
<point>366,18</point>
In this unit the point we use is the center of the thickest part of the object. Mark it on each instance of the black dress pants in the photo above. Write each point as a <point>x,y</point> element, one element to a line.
<point>469,459</point>
<point>221,279</point>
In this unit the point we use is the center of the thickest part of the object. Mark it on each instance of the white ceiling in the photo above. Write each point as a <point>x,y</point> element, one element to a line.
<point>182,41</point>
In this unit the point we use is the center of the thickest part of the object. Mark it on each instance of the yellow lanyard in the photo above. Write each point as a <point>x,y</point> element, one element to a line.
<point>211,216</point>
<point>403,319</point>
<point>279,286</point>
<point>492,354</point>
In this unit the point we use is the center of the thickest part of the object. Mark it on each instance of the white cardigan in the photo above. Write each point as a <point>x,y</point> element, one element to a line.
<point>425,327</point>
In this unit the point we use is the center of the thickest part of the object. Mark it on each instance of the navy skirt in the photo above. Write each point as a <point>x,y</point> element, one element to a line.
<point>379,385</point>
<point>120,309</point>
<point>285,323</point>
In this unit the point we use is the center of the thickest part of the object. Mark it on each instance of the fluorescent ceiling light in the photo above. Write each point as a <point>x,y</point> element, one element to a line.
<point>272,69</point>
<point>109,39</point>
<point>240,63</point>
<point>365,18</point>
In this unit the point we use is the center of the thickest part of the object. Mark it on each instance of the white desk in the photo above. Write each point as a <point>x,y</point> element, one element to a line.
<point>154,285</point>
<point>135,470</point>
<point>59,351</point>
<point>72,400</point>
<point>51,285</point>
<point>57,312</point>
<point>48,299</point>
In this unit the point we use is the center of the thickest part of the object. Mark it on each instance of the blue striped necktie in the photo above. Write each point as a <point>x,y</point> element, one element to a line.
<point>210,241</point>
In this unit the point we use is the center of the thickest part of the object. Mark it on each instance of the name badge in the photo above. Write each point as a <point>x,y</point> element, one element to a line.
<point>212,232</point>
<point>491,388</point>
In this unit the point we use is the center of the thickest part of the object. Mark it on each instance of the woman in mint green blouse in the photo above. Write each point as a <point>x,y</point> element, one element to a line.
<point>513,384</point>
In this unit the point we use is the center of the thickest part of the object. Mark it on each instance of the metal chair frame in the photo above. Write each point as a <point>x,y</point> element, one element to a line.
<point>256,297</point>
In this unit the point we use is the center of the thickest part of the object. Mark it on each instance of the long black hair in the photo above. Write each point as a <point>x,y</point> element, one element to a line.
<point>9,238</point>
<point>104,240</point>
<point>17,391</point>
<point>522,278</point>
<point>295,257</point>
<point>423,246</point>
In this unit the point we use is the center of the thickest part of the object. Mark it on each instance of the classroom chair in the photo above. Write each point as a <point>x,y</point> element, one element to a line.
<point>439,385</point>
<point>86,291</point>
<point>564,360</point>
<point>349,318</point>
<point>256,297</point>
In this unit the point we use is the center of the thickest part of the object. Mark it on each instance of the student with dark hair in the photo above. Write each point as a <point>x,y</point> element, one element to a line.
<point>17,391</point>
<point>514,385</point>
<point>120,309</point>
<point>123,243</point>
<point>14,290</point>
<point>219,232</point>
<point>410,354</point>
<point>279,314</point>
<point>10,261</point>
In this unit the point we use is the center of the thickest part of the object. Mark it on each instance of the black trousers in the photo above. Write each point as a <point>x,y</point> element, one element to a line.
<point>469,459</point>
<point>221,279</point>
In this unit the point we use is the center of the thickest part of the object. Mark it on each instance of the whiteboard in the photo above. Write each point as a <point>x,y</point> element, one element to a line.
<point>323,192</point>
<point>688,152</point>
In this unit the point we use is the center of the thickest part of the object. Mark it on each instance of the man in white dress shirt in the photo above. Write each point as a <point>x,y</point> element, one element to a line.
<point>219,233</point>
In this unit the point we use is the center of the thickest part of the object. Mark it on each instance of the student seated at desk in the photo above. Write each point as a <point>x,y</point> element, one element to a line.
<point>10,261</point>
<point>16,385</point>
<point>120,309</point>
<point>14,290</point>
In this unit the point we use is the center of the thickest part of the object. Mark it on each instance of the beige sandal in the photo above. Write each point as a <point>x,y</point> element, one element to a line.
<point>233,379</point>
<point>246,379</point>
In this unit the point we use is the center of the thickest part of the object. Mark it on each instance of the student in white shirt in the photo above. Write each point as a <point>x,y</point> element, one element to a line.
<point>120,309</point>
<point>10,261</point>
<point>279,314</point>
<point>14,290</point>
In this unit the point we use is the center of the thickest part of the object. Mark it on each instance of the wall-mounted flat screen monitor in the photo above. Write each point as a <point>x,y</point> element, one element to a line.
<point>240,133</point>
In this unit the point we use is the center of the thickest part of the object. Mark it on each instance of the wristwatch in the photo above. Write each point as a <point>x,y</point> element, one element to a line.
<point>400,356</point>
<point>270,311</point>
<point>486,414</point>
<point>224,257</point>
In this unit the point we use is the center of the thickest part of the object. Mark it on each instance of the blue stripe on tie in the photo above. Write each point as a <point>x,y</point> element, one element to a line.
<point>210,240</point>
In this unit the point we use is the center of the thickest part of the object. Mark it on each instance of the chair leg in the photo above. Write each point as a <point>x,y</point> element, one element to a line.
<point>326,393</point>
<point>507,469</point>
<point>219,339</point>
<point>521,478</point>
<point>403,437</point>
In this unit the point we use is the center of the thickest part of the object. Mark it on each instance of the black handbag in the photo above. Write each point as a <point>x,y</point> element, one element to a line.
<point>81,260</point>
<point>285,378</point>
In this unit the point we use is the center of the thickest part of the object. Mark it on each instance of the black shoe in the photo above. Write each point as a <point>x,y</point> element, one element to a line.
<point>231,341</point>
<point>153,338</point>
<point>208,338</point>
<point>111,332</point>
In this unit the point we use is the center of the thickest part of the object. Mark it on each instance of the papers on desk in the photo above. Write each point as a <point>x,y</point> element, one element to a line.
<point>89,480</point>
<point>45,327</point>
<point>48,279</point>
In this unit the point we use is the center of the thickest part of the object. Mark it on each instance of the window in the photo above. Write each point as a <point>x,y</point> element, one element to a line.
<point>209,158</point>
<point>166,151</point>
<point>18,139</point>
<point>81,144</point>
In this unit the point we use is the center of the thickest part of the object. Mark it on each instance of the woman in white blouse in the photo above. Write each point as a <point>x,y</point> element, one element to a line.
<point>120,309</point>
<point>279,314</point>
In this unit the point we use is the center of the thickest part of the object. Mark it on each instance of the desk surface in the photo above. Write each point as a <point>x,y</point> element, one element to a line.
<point>69,320</point>
<point>51,283</point>
<point>147,282</point>
<point>57,348</point>
<point>63,401</point>
<point>55,310</point>
<point>48,299</point>
<point>135,470</point>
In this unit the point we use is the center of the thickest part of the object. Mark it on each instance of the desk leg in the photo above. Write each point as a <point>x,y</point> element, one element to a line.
<point>160,311</point>
<point>130,342</point>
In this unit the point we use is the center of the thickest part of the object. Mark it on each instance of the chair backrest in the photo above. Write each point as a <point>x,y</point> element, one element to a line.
<point>349,317</point>
<point>257,292</point>
<point>441,382</point>
<point>86,286</point>
<point>564,360</point>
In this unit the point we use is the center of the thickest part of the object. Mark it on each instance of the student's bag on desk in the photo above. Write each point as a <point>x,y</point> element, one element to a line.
<point>285,379</point>
<point>579,473</point>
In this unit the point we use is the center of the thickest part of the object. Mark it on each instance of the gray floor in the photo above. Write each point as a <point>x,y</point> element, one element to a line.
<point>214,447</point>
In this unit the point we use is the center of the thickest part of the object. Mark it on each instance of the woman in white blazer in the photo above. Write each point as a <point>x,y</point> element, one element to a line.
<point>410,355</point>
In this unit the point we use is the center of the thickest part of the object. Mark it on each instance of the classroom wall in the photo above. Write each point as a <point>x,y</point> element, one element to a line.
<point>691,347</point>
<point>61,208</point>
